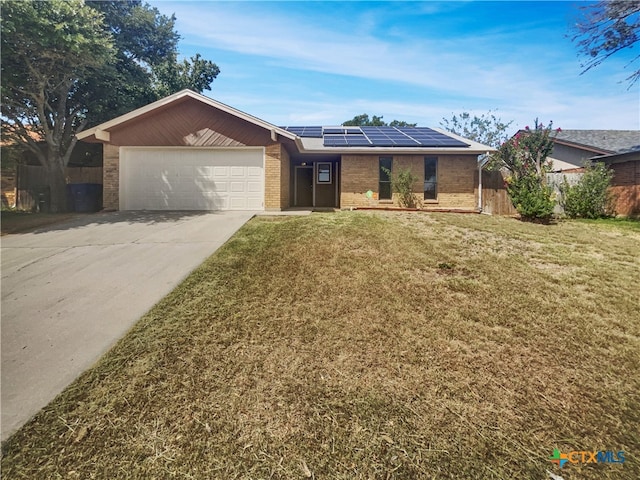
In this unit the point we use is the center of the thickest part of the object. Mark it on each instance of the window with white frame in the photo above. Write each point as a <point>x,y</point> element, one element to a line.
<point>324,172</point>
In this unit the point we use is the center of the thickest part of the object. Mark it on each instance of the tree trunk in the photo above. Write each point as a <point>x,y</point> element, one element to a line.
<point>57,186</point>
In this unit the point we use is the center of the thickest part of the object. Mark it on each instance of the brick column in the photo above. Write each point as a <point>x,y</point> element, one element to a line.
<point>111,177</point>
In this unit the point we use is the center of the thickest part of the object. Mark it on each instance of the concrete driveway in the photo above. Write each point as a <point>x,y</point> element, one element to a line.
<point>70,291</point>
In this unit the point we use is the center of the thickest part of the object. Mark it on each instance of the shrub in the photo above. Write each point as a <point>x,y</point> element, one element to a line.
<point>533,199</point>
<point>590,197</point>
<point>402,184</point>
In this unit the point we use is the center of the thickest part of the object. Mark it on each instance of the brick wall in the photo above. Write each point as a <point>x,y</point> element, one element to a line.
<point>456,180</point>
<point>277,174</point>
<point>625,186</point>
<point>111,177</point>
<point>285,179</point>
<point>457,185</point>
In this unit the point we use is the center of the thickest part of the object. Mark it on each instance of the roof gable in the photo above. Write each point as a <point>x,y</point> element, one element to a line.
<point>182,102</point>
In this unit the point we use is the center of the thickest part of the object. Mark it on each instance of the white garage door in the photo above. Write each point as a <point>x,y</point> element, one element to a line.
<point>191,179</point>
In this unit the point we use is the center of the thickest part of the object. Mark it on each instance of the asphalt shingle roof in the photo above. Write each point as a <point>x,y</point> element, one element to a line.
<point>613,141</point>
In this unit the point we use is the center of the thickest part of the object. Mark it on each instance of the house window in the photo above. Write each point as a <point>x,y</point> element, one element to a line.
<point>430,178</point>
<point>324,172</point>
<point>384,187</point>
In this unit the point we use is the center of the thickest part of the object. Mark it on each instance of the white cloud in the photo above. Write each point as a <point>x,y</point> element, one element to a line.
<point>483,73</point>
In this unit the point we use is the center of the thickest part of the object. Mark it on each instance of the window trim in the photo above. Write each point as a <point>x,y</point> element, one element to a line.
<point>324,182</point>
<point>435,182</point>
<point>380,181</point>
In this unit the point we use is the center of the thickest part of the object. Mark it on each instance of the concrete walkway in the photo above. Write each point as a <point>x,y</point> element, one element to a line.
<point>70,291</point>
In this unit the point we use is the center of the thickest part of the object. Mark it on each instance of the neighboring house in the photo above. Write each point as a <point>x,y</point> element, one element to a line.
<point>618,149</point>
<point>189,152</point>
<point>573,148</point>
<point>625,184</point>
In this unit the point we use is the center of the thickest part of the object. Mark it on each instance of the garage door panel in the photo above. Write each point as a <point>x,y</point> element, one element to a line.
<point>237,187</point>
<point>238,172</point>
<point>220,172</point>
<point>188,179</point>
<point>254,187</point>
<point>254,172</point>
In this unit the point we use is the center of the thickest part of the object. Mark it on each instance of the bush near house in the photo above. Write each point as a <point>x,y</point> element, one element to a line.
<point>526,157</point>
<point>590,197</point>
<point>402,184</point>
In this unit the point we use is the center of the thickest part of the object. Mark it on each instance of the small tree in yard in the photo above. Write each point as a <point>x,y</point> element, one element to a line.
<point>402,183</point>
<point>525,156</point>
<point>590,197</point>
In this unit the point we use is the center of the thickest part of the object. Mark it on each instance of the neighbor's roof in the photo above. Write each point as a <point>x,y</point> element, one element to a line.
<point>602,141</point>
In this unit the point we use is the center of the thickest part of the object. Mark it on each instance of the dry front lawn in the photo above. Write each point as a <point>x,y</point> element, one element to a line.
<point>360,345</point>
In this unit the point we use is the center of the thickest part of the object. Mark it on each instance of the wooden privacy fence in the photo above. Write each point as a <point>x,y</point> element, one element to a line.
<point>32,179</point>
<point>496,200</point>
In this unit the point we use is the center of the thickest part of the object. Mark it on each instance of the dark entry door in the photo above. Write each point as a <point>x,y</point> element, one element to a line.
<point>304,187</point>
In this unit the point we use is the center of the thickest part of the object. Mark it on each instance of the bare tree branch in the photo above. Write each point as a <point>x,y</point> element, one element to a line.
<point>605,29</point>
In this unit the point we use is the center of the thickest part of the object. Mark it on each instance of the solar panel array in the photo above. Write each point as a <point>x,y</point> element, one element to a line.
<point>389,137</point>
<point>378,136</point>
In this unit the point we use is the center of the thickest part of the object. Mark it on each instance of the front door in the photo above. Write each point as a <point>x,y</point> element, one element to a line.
<point>304,187</point>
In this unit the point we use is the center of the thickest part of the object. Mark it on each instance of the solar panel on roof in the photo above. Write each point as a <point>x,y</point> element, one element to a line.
<point>333,131</point>
<point>295,130</point>
<point>335,141</point>
<point>357,140</point>
<point>428,137</point>
<point>313,132</point>
<point>378,136</point>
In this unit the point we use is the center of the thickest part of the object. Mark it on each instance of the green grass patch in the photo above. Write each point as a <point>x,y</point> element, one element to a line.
<point>367,345</point>
<point>616,222</point>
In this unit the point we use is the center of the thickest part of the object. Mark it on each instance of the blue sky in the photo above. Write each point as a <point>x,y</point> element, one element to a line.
<point>321,63</point>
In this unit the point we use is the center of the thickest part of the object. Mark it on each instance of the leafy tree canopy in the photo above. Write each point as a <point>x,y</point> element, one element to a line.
<point>147,66</point>
<point>67,64</point>
<point>606,28</point>
<point>486,128</point>
<point>364,121</point>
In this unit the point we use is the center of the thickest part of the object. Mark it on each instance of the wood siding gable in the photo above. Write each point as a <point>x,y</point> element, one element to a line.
<point>189,123</point>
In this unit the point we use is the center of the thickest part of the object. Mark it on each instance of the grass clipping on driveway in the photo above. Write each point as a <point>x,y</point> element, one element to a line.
<point>367,345</point>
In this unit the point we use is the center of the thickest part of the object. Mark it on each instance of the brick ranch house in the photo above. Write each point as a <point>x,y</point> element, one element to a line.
<point>189,152</point>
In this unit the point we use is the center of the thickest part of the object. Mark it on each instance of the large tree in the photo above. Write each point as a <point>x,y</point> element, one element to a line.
<point>605,29</point>
<point>364,121</point>
<point>146,66</point>
<point>70,64</point>
<point>486,128</point>
<point>48,50</point>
